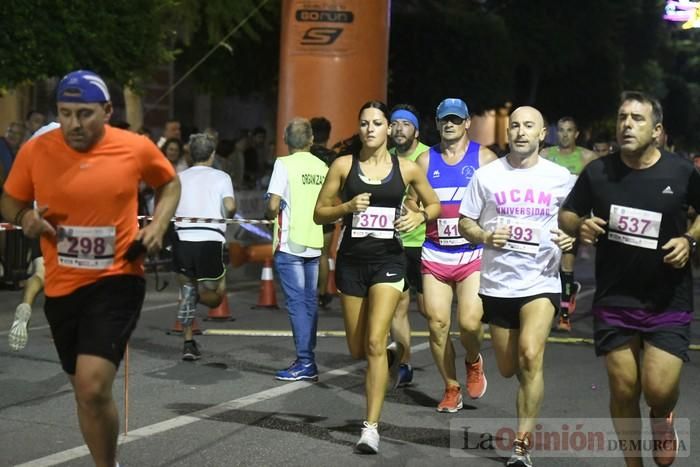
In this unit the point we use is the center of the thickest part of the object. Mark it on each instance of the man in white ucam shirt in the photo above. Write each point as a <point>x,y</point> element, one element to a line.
<point>198,253</point>
<point>511,207</point>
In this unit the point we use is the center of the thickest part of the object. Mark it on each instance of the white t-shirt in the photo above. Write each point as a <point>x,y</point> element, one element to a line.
<point>529,200</point>
<point>203,193</point>
<point>279,185</point>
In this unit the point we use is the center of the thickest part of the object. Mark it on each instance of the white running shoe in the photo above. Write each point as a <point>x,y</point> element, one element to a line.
<point>18,332</point>
<point>369,440</point>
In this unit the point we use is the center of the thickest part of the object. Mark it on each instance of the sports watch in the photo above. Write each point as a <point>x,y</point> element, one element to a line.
<point>691,241</point>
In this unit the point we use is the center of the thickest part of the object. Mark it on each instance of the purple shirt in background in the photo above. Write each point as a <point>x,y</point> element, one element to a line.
<point>641,319</point>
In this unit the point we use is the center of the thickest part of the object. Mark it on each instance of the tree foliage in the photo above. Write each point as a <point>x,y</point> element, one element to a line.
<point>564,57</point>
<point>247,61</point>
<point>122,40</point>
<point>440,49</point>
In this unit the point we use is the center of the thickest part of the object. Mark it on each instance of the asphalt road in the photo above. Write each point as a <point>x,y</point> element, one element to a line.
<point>226,409</point>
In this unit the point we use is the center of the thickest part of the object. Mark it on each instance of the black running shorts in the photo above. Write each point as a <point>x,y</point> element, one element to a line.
<point>356,277</point>
<point>672,339</point>
<point>414,278</point>
<point>203,261</point>
<point>505,312</point>
<point>96,319</point>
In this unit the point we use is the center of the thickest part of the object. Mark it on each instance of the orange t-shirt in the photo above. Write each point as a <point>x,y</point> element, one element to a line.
<point>92,201</point>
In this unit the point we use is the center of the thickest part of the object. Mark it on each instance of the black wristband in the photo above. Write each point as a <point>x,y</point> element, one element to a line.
<point>692,243</point>
<point>20,214</point>
<point>425,216</point>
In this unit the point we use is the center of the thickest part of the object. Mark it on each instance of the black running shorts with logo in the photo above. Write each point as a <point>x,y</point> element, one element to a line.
<point>505,312</point>
<point>199,260</point>
<point>672,339</point>
<point>414,278</point>
<point>356,277</point>
<point>96,319</point>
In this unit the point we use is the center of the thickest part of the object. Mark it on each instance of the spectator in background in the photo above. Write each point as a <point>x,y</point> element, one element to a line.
<point>321,128</point>
<point>172,149</point>
<point>601,145</point>
<point>236,161</point>
<point>230,160</point>
<point>213,134</point>
<point>348,146</point>
<point>171,130</point>
<point>145,132</point>
<point>255,155</point>
<point>9,145</point>
<point>33,122</point>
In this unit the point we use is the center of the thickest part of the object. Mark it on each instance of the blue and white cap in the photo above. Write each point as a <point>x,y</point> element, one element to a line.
<point>82,86</point>
<point>452,106</point>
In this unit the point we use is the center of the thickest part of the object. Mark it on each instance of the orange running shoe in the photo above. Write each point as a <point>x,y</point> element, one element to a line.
<point>451,401</point>
<point>476,379</point>
<point>564,324</point>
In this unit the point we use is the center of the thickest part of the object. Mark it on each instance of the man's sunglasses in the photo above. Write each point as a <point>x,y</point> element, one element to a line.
<point>454,119</point>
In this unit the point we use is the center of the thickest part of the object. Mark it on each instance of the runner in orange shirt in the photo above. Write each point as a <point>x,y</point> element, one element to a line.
<point>84,178</point>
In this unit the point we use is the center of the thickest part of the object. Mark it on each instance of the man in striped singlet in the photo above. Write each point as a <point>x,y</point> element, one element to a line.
<point>450,264</point>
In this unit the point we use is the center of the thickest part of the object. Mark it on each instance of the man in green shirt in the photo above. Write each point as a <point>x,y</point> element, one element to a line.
<point>404,134</point>
<point>574,159</point>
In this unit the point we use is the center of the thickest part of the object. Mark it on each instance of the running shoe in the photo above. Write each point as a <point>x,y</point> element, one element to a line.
<point>18,332</point>
<point>564,324</point>
<point>476,379</point>
<point>405,375</point>
<point>298,371</point>
<point>190,351</point>
<point>452,400</point>
<point>188,305</point>
<point>521,454</point>
<point>665,440</point>
<point>324,300</point>
<point>394,354</point>
<point>572,300</point>
<point>369,440</point>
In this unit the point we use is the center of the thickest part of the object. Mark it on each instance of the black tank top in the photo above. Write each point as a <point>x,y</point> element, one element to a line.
<point>370,236</point>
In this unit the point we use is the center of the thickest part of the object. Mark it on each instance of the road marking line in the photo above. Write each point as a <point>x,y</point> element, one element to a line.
<point>204,414</point>
<point>148,308</point>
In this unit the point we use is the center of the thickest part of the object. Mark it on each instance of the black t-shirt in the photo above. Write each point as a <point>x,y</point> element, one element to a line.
<point>323,153</point>
<point>387,196</point>
<point>644,210</point>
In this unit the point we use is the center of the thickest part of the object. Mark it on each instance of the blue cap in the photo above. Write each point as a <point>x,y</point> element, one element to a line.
<point>452,106</point>
<point>82,86</point>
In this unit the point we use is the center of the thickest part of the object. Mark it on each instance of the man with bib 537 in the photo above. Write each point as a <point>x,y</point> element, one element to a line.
<point>643,304</point>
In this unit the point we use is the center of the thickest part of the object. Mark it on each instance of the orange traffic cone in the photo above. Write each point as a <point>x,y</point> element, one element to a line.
<point>267,297</point>
<point>221,312</point>
<point>330,285</point>
<point>178,329</point>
